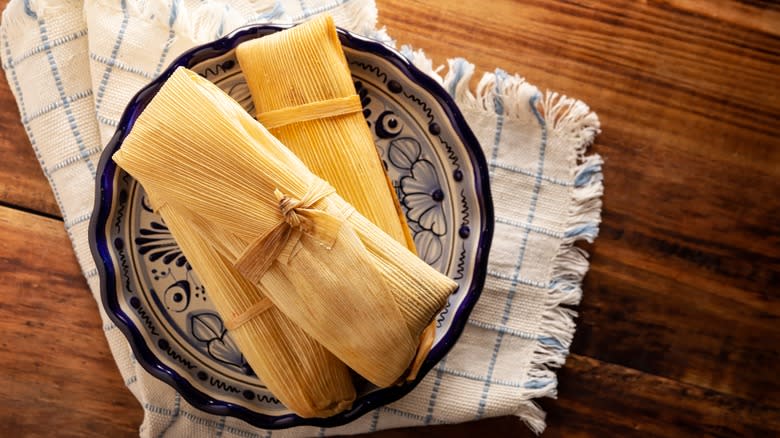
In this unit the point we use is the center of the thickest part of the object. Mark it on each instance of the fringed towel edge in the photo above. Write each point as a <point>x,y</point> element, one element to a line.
<point>564,117</point>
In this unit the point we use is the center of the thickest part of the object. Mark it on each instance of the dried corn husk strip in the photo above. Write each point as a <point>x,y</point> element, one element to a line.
<point>316,110</point>
<point>198,150</point>
<point>302,374</point>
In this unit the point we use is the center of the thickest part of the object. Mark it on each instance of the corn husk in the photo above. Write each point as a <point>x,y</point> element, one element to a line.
<point>296,69</point>
<point>325,266</point>
<point>302,374</point>
<point>293,75</point>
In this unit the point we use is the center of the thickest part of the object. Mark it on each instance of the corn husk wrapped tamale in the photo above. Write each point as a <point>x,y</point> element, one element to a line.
<point>325,266</point>
<point>288,74</point>
<point>294,76</point>
<point>302,374</point>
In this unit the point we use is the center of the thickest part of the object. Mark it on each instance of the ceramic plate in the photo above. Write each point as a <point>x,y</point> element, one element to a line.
<point>153,295</point>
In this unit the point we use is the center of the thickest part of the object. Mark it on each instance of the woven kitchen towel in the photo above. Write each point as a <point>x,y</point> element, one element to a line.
<point>73,66</point>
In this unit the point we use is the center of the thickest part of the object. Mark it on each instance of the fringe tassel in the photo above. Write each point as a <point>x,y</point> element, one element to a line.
<point>199,24</point>
<point>496,92</point>
<point>359,16</point>
<point>421,61</point>
<point>572,119</point>
<point>18,14</point>
<point>532,415</point>
<point>566,118</point>
<point>382,36</point>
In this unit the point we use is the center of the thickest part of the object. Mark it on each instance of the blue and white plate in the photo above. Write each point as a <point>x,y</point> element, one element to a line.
<point>153,295</point>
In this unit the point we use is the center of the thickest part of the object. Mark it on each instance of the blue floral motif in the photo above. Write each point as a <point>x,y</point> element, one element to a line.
<point>423,196</point>
<point>157,242</point>
<point>404,152</point>
<point>429,246</point>
<point>207,328</point>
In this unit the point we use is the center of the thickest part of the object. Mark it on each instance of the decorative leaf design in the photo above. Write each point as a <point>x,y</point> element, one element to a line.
<point>404,152</point>
<point>423,196</point>
<point>158,242</point>
<point>226,351</point>
<point>206,326</point>
<point>429,246</point>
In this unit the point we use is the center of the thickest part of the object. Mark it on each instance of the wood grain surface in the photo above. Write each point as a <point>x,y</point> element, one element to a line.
<point>679,328</point>
<point>58,376</point>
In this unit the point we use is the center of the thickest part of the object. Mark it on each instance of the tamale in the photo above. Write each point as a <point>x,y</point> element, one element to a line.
<point>303,94</point>
<point>294,77</point>
<point>302,374</point>
<point>325,266</point>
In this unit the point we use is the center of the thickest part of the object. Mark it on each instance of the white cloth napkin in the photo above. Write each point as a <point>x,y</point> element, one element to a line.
<point>73,66</point>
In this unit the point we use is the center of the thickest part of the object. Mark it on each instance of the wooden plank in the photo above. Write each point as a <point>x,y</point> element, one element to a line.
<point>599,399</point>
<point>684,309</point>
<point>683,282</point>
<point>21,180</point>
<point>759,15</point>
<point>58,374</point>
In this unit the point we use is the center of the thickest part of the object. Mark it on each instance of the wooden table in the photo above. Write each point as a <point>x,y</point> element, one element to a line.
<point>679,328</point>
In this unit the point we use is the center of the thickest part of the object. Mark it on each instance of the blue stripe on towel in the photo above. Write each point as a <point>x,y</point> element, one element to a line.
<point>519,264</point>
<point>114,53</point>
<point>55,71</point>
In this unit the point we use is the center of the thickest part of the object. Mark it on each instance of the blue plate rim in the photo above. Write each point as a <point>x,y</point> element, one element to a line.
<point>104,192</point>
